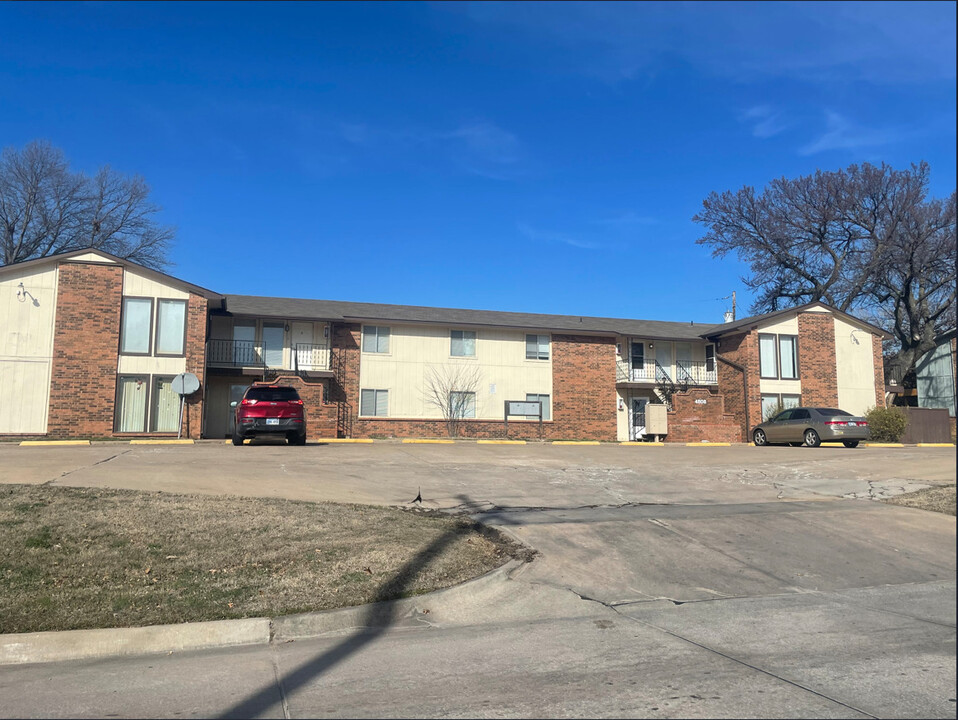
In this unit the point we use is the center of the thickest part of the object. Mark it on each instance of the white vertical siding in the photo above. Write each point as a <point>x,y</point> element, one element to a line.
<point>26,349</point>
<point>855,367</point>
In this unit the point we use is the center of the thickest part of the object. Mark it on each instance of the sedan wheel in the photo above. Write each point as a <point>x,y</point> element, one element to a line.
<point>850,443</point>
<point>812,439</point>
<point>759,438</point>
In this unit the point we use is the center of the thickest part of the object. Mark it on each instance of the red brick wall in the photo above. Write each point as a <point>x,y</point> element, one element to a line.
<point>817,366</point>
<point>694,422</point>
<point>320,416</point>
<point>344,388</point>
<point>583,387</point>
<point>741,349</point>
<point>879,371</point>
<point>196,315</point>
<point>85,344</point>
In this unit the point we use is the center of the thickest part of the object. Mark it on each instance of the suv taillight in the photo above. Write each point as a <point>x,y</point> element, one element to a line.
<point>248,402</point>
<point>295,402</point>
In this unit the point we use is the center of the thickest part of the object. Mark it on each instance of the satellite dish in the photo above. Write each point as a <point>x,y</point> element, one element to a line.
<point>186,384</point>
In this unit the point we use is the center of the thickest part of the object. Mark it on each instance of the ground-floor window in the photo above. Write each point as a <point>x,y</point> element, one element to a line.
<point>374,403</point>
<point>146,401</point>
<point>774,403</point>
<point>546,409</point>
<point>462,404</point>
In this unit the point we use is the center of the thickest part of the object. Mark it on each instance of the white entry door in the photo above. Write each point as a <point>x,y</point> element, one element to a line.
<point>301,341</point>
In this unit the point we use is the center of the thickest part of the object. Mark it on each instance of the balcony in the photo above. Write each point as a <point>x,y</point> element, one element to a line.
<point>684,372</point>
<point>304,358</point>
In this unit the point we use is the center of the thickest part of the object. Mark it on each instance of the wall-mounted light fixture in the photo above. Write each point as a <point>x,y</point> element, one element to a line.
<point>23,294</point>
<point>287,327</point>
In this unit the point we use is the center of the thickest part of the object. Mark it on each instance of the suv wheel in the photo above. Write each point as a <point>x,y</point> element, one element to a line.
<point>237,439</point>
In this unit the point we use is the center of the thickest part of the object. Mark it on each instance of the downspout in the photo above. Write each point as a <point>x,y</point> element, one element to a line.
<point>744,370</point>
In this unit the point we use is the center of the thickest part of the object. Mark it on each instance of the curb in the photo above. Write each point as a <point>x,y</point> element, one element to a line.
<point>161,442</point>
<point>635,443</point>
<point>708,444</point>
<point>878,444</point>
<point>40,443</point>
<point>342,440</point>
<point>43,647</point>
<point>427,441</point>
<point>576,442</point>
<point>500,442</point>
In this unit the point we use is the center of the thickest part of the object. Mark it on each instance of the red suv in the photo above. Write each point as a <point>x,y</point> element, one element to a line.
<point>270,409</point>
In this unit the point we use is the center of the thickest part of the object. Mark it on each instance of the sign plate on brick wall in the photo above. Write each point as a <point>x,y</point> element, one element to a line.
<point>701,401</point>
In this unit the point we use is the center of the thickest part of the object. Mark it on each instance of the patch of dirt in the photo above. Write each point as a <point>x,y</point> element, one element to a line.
<point>937,499</point>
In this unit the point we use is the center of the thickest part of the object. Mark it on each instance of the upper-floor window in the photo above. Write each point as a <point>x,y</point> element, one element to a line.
<point>462,343</point>
<point>170,327</point>
<point>375,339</point>
<point>710,358</point>
<point>778,356</point>
<point>137,325</point>
<point>537,347</point>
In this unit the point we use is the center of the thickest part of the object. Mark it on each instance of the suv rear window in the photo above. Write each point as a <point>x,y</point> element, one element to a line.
<point>272,394</point>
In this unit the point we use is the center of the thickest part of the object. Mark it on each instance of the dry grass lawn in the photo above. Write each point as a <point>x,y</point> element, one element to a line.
<point>73,558</point>
<point>937,499</point>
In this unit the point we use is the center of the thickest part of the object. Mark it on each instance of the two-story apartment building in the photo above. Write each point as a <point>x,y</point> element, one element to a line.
<point>90,344</point>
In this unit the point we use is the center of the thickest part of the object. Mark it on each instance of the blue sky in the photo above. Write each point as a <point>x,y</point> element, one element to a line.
<point>530,157</point>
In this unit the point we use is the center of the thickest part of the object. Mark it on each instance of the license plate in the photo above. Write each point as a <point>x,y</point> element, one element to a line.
<point>272,421</point>
<point>853,424</point>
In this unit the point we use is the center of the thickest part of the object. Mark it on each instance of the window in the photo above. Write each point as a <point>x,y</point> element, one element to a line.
<point>137,325</point>
<point>638,356</point>
<point>462,404</point>
<point>165,409</point>
<point>374,403</point>
<point>537,347</point>
<point>788,354</point>
<point>375,339</point>
<point>778,356</point>
<point>771,402</point>
<point>131,403</point>
<point>462,343</point>
<point>767,357</point>
<point>170,327</point>
<point>710,358</point>
<point>546,410</point>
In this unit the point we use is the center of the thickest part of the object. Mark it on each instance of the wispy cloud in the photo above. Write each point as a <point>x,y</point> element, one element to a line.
<point>891,42</point>
<point>842,134</point>
<point>627,219</point>
<point>487,142</point>
<point>765,121</point>
<point>545,236</point>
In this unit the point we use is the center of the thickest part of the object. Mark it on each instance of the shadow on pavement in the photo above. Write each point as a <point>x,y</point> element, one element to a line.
<point>379,617</point>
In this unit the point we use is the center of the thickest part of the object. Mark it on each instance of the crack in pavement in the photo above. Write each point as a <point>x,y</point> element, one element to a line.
<point>614,608</point>
<point>87,467</point>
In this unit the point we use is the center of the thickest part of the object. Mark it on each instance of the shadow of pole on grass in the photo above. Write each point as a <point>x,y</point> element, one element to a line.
<point>379,616</point>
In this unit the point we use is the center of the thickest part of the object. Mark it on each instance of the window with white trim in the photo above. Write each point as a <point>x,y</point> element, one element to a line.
<point>537,347</point>
<point>374,403</point>
<point>462,343</point>
<point>546,407</point>
<point>462,404</point>
<point>767,356</point>
<point>788,356</point>
<point>375,339</point>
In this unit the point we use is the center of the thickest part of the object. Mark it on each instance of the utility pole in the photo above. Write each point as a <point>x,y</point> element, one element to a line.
<point>733,306</point>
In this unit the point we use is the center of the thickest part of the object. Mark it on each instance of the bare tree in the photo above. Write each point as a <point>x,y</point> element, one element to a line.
<point>47,209</point>
<point>452,389</point>
<point>866,240</point>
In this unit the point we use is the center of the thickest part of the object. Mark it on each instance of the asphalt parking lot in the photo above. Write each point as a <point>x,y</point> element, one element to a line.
<point>671,581</point>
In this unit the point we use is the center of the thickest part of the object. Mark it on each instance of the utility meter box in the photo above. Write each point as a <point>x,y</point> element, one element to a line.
<point>656,419</point>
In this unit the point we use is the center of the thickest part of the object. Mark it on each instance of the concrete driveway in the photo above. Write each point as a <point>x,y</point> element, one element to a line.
<point>672,581</point>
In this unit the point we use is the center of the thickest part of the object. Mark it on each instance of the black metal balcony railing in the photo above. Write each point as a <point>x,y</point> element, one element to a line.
<point>235,353</point>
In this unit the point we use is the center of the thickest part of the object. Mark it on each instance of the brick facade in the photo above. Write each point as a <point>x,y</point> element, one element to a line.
<point>86,340</point>
<point>741,349</point>
<point>879,365</point>
<point>699,415</point>
<point>817,366</point>
<point>196,323</point>
<point>320,415</point>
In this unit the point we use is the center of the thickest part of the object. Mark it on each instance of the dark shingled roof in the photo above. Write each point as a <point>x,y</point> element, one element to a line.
<point>338,311</point>
<point>724,328</point>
